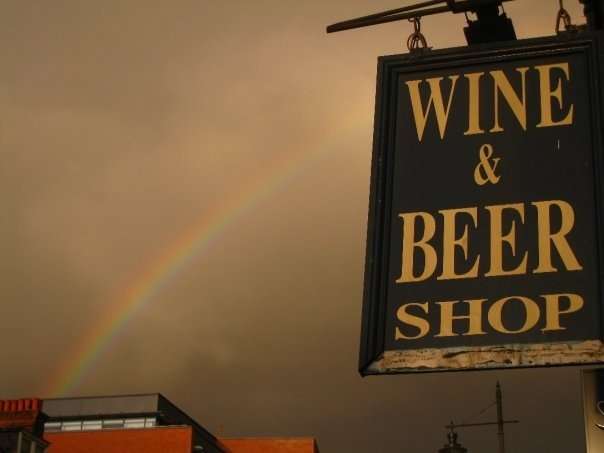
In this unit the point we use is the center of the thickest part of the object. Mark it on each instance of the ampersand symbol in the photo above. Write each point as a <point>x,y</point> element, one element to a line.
<point>485,170</point>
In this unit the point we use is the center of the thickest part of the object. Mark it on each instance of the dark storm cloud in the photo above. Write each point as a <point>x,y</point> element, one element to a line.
<point>123,122</point>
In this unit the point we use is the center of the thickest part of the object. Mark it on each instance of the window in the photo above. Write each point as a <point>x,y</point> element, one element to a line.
<point>28,443</point>
<point>90,425</point>
<point>113,424</point>
<point>134,423</point>
<point>37,448</point>
<point>72,426</point>
<point>25,445</point>
<point>52,426</point>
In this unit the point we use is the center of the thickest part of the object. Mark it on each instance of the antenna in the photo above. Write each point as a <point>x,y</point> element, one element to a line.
<point>490,25</point>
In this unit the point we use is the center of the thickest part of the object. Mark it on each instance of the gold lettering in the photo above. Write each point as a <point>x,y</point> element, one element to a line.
<point>553,310</point>
<point>410,244</point>
<point>474,318</point>
<point>558,239</point>
<point>531,309</point>
<point>547,95</point>
<point>451,242</point>
<point>503,86</point>
<point>498,239</point>
<point>435,100</point>
<point>415,321</point>
<point>474,104</point>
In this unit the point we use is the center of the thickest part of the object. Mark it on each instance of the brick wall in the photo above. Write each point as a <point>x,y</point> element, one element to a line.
<point>149,440</point>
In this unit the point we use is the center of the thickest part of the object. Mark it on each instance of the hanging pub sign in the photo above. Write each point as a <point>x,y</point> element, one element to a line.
<point>484,244</point>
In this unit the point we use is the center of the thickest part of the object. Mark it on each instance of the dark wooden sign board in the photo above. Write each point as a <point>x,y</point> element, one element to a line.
<point>484,241</point>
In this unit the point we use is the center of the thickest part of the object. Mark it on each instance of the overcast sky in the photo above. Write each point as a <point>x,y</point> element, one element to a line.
<point>125,122</point>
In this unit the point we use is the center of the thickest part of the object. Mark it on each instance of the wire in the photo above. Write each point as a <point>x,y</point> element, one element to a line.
<point>478,414</point>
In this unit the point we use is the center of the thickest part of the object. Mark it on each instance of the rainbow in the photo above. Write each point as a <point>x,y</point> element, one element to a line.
<point>150,280</point>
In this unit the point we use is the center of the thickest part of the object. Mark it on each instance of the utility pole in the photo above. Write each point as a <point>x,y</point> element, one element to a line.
<point>500,422</point>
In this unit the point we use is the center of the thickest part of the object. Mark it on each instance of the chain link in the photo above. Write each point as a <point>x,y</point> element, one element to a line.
<point>564,18</point>
<point>416,40</point>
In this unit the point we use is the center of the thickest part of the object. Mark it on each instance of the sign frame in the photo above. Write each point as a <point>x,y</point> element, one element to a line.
<point>374,359</point>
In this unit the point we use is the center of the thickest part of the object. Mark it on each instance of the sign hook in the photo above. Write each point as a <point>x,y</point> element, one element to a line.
<point>416,41</point>
<point>564,18</point>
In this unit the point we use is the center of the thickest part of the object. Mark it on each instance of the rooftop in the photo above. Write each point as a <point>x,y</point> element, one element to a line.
<point>122,411</point>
